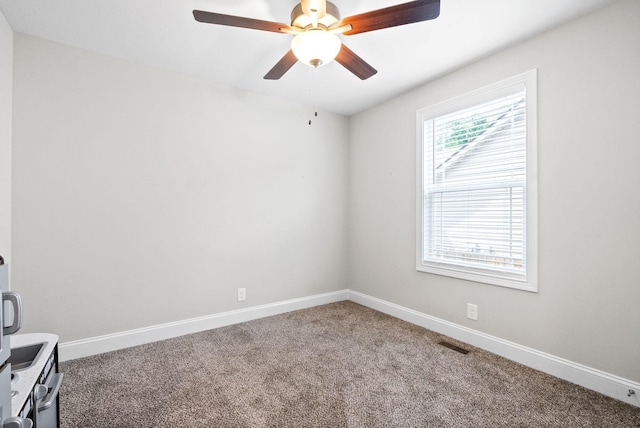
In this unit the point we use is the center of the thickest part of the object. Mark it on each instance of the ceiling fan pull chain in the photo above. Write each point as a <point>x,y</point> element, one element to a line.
<point>315,87</point>
<point>313,83</point>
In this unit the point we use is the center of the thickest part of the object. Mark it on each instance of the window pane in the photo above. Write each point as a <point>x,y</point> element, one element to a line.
<point>476,227</point>
<point>480,144</point>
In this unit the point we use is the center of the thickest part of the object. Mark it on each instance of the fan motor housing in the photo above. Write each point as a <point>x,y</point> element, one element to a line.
<point>300,20</point>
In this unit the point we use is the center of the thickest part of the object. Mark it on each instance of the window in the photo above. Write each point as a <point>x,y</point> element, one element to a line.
<point>477,192</point>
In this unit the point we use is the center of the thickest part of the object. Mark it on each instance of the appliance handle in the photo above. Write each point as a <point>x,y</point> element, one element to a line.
<point>16,302</point>
<point>50,398</point>
<point>17,423</point>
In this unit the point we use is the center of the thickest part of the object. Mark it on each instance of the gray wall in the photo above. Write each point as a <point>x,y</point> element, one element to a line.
<point>589,199</point>
<point>142,197</point>
<point>6,90</point>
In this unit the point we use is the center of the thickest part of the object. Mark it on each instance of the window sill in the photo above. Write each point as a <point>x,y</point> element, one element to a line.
<point>516,281</point>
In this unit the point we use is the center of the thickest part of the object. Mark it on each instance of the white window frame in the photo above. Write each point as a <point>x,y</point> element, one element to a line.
<point>528,281</point>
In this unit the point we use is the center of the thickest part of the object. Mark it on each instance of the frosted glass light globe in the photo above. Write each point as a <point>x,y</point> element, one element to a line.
<point>316,47</point>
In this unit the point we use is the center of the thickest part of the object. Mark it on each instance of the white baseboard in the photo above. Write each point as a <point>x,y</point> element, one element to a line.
<point>596,380</point>
<point>112,342</point>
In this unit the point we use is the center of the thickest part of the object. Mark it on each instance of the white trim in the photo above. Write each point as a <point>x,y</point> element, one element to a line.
<point>596,380</point>
<point>125,339</point>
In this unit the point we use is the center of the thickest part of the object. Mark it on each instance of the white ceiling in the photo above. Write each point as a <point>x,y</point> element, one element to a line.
<point>163,33</point>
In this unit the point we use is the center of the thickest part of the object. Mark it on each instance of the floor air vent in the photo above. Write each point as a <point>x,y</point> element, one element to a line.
<point>454,347</point>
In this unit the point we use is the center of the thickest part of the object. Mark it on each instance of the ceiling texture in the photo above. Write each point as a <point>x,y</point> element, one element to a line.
<point>164,34</point>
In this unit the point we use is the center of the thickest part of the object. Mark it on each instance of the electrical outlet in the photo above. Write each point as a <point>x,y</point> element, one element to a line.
<point>472,311</point>
<point>242,294</point>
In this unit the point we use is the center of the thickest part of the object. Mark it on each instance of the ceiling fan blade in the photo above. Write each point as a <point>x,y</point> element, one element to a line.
<point>401,14</point>
<point>285,63</point>
<point>352,62</point>
<point>239,21</point>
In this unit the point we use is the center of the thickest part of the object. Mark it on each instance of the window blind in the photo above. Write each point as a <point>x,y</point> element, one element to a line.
<point>474,172</point>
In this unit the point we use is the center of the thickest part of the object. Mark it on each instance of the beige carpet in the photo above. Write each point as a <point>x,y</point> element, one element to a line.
<point>337,365</point>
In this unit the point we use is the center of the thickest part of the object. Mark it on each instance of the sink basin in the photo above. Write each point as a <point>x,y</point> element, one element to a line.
<point>23,357</point>
<point>30,354</point>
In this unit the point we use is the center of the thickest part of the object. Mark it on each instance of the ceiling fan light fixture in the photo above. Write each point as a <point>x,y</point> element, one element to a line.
<point>316,47</point>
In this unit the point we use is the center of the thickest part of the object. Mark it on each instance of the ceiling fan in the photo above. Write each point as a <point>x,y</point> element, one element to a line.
<point>316,24</point>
